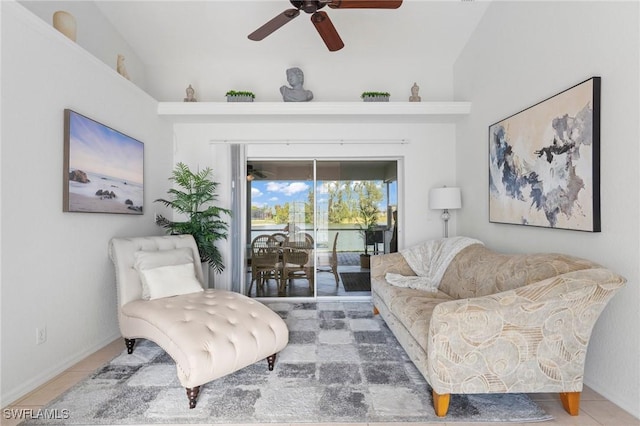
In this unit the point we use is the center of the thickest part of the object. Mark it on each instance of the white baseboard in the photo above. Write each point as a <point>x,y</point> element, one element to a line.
<point>13,395</point>
<point>622,400</point>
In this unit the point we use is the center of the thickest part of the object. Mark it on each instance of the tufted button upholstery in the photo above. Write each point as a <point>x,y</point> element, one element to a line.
<point>209,334</point>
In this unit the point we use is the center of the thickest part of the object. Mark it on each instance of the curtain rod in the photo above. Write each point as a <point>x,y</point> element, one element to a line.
<point>307,141</point>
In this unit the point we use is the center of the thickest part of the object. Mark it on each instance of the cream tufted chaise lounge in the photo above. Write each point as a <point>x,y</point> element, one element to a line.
<point>209,333</point>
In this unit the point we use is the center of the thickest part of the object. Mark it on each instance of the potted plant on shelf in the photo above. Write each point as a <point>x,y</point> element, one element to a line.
<point>375,96</point>
<point>194,197</point>
<point>368,214</point>
<point>240,96</point>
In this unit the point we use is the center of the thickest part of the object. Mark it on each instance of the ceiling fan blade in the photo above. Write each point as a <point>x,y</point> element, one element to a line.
<point>365,4</point>
<point>274,24</point>
<point>327,31</point>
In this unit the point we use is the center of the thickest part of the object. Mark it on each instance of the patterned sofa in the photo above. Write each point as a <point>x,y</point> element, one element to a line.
<point>498,323</point>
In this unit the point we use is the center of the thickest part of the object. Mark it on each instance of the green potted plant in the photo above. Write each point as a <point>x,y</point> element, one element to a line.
<point>194,197</point>
<point>375,96</point>
<point>240,96</point>
<point>368,213</point>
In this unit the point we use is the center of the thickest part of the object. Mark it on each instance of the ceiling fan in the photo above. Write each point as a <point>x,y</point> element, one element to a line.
<point>253,174</point>
<point>320,19</point>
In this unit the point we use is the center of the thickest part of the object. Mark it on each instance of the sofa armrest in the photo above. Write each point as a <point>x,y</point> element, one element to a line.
<point>531,339</point>
<point>391,262</point>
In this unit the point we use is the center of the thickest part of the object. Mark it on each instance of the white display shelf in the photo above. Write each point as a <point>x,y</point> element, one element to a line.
<point>388,111</point>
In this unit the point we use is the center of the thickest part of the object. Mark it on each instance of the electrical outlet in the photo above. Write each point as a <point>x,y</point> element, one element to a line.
<point>41,335</point>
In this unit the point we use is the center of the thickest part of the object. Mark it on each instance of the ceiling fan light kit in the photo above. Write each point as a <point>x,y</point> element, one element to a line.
<point>320,19</point>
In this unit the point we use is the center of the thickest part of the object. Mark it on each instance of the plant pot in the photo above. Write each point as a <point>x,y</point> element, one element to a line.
<point>375,98</point>
<point>239,98</point>
<point>365,261</point>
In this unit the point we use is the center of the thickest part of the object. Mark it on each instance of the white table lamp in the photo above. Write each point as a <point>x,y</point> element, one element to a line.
<point>445,199</point>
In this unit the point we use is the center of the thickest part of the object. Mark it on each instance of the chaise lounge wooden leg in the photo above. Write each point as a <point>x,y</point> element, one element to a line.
<point>130,343</point>
<point>571,402</point>
<point>192,394</point>
<point>375,311</point>
<point>441,403</point>
<point>271,360</point>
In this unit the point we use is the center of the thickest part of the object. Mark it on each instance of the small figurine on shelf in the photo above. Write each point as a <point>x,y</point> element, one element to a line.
<point>122,70</point>
<point>65,22</point>
<point>295,93</point>
<point>414,93</point>
<point>190,95</point>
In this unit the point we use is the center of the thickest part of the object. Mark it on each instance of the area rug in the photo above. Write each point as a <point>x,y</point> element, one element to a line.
<point>341,365</point>
<point>356,281</point>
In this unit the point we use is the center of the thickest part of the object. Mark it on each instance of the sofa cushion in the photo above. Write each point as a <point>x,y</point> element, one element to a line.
<point>411,307</point>
<point>478,271</point>
<point>414,311</point>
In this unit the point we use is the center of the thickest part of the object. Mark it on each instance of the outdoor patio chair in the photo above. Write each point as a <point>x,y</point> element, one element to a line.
<point>265,265</point>
<point>333,261</point>
<point>297,261</point>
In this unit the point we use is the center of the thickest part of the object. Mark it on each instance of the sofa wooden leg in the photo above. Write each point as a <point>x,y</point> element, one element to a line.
<point>271,360</point>
<point>130,343</point>
<point>192,394</point>
<point>571,402</point>
<point>441,403</point>
<point>375,311</point>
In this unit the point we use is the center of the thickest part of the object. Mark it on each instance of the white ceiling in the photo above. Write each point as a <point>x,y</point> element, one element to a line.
<point>199,32</point>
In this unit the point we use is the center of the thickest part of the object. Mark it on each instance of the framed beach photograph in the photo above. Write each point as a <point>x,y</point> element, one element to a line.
<point>544,162</point>
<point>103,169</point>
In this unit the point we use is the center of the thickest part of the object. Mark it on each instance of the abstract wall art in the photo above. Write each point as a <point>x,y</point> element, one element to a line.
<point>103,169</point>
<point>544,162</point>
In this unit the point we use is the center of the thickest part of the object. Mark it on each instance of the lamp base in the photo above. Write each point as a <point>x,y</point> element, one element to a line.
<point>445,217</point>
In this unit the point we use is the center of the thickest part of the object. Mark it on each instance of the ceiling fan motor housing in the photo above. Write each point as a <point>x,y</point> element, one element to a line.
<point>309,6</point>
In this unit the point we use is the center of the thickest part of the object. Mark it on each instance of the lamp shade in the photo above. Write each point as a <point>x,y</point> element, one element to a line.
<point>445,198</point>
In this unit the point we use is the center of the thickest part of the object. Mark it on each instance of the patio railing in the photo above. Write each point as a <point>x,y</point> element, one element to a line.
<point>350,239</point>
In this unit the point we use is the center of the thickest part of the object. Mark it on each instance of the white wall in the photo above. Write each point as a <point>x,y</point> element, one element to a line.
<point>95,34</point>
<point>330,76</point>
<point>520,54</point>
<point>55,268</point>
<point>427,158</point>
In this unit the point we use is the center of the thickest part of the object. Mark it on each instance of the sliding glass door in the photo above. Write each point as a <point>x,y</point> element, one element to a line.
<point>353,201</point>
<point>312,225</point>
<point>280,207</point>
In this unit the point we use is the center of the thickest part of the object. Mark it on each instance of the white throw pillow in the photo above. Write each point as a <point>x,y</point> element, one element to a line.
<point>173,280</point>
<point>148,260</point>
<point>156,258</point>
